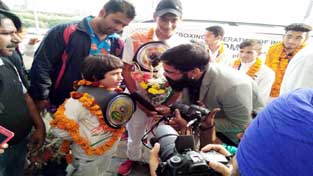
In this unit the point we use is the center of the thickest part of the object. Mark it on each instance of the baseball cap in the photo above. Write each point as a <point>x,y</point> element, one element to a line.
<point>16,20</point>
<point>169,6</point>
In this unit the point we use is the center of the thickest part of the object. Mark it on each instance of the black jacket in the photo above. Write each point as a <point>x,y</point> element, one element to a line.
<point>17,60</point>
<point>48,62</point>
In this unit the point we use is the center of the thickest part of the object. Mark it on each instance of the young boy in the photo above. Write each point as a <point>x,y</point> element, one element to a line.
<point>80,121</point>
<point>250,63</point>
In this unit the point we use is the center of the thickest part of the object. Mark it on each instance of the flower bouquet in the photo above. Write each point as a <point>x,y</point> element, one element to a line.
<point>48,157</point>
<point>148,75</point>
<point>155,90</point>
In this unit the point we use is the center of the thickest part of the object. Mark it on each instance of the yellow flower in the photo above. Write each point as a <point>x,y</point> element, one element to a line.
<point>252,70</point>
<point>220,53</point>
<point>161,91</point>
<point>143,85</point>
<point>156,91</point>
<point>153,91</point>
<point>156,86</point>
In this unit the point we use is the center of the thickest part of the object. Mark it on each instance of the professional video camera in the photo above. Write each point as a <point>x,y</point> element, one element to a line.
<point>178,157</point>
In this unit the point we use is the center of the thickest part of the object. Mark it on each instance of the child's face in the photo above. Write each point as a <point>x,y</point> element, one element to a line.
<point>248,54</point>
<point>112,79</point>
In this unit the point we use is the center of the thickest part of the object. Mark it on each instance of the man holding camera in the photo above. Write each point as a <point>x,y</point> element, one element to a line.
<point>268,145</point>
<point>187,69</point>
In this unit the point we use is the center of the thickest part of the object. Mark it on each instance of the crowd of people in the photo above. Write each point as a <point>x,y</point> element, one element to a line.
<point>269,101</point>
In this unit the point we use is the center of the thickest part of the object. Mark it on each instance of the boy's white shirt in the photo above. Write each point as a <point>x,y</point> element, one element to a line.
<point>264,78</point>
<point>88,128</point>
<point>227,58</point>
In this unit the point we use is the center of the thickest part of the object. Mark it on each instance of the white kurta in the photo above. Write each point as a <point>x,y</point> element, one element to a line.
<point>90,130</point>
<point>264,78</point>
<point>226,57</point>
<point>139,122</point>
<point>299,73</point>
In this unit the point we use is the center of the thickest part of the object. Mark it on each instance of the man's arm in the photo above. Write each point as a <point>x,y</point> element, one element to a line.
<point>207,130</point>
<point>39,134</point>
<point>46,57</point>
<point>128,55</point>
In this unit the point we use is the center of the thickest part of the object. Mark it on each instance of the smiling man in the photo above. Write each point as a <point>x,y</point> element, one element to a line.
<point>57,62</point>
<point>279,54</point>
<point>251,64</point>
<point>167,16</point>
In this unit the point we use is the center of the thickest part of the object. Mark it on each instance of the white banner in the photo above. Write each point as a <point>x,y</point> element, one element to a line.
<point>234,35</point>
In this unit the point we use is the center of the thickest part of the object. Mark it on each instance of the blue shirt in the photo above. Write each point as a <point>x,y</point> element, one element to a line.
<point>99,46</point>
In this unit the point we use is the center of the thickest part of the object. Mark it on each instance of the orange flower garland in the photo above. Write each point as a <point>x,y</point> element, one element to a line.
<point>252,70</point>
<point>150,34</point>
<point>220,53</point>
<point>278,60</point>
<point>72,127</point>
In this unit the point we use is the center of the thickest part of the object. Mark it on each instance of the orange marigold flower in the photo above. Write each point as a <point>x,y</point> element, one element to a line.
<point>72,127</point>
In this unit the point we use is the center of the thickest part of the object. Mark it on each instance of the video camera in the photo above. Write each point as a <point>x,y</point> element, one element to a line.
<point>190,112</point>
<point>193,114</point>
<point>178,157</point>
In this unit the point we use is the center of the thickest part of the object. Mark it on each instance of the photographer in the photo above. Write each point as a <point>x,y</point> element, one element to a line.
<point>187,69</point>
<point>268,145</point>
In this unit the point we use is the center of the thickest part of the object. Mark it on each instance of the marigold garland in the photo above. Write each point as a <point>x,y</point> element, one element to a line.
<point>220,53</point>
<point>72,127</point>
<point>84,82</point>
<point>277,59</point>
<point>150,34</point>
<point>253,69</point>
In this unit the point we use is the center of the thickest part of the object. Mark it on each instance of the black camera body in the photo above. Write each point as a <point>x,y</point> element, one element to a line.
<point>190,112</point>
<point>179,158</point>
<point>190,163</point>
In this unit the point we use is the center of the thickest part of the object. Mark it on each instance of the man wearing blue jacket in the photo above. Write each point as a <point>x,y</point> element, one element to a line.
<point>57,61</point>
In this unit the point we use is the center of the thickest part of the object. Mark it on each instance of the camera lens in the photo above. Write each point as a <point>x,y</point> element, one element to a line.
<point>166,136</point>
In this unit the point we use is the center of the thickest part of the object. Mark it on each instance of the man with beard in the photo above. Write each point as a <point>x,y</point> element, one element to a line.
<point>269,142</point>
<point>279,54</point>
<point>57,62</point>
<point>167,16</point>
<point>187,69</point>
<point>18,112</point>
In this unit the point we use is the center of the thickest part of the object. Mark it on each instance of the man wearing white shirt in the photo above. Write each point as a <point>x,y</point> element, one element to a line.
<point>167,16</point>
<point>250,64</point>
<point>218,52</point>
<point>299,71</point>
